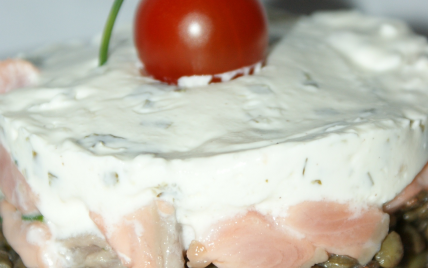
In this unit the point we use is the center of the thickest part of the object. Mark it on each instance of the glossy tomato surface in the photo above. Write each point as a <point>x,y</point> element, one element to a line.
<point>177,38</point>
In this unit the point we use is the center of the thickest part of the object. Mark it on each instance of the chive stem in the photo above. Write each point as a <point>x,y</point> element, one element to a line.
<point>36,217</point>
<point>105,41</point>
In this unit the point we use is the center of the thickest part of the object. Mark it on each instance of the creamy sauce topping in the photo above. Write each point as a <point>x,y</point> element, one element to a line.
<point>338,113</point>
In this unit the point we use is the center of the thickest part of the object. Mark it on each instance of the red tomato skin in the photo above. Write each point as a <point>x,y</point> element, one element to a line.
<point>176,38</point>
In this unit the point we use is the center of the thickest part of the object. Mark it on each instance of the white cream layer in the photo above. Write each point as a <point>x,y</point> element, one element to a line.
<point>338,113</point>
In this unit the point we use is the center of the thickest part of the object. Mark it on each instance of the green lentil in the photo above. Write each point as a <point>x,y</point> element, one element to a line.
<point>339,261</point>
<point>418,261</point>
<point>5,261</point>
<point>413,241</point>
<point>391,251</point>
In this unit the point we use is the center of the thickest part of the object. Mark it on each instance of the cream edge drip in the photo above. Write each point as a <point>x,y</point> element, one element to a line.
<point>338,113</point>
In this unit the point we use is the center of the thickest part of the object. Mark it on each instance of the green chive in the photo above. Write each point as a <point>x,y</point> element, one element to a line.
<point>32,217</point>
<point>105,41</point>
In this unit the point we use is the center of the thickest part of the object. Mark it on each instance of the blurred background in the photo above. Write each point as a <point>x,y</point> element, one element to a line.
<point>25,24</point>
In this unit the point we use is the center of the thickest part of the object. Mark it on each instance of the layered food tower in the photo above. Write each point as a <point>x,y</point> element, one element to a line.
<point>105,167</point>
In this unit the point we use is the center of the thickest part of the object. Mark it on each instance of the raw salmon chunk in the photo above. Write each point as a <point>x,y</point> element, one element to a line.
<point>30,239</point>
<point>14,186</point>
<point>253,241</point>
<point>15,73</point>
<point>339,229</point>
<point>147,238</point>
<point>301,239</point>
<point>418,184</point>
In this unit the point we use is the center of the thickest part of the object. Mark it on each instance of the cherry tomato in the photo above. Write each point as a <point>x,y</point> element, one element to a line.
<point>176,38</point>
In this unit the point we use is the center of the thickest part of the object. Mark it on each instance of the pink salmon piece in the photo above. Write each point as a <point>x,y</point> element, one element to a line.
<point>14,186</point>
<point>253,241</point>
<point>301,239</point>
<point>16,73</point>
<point>147,238</point>
<point>339,229</point>
<point>33,253</point>
<point>418,184</point>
